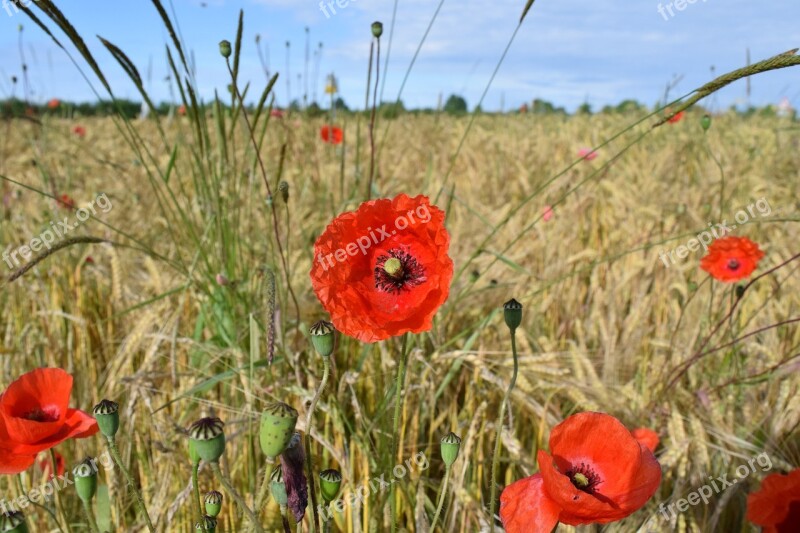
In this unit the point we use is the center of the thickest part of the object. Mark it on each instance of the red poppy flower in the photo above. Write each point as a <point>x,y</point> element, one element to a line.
<point>383,270</point>
<point>182,110</point>
<point>776,506</point>
<point>277,113</point>
<point>674,119</point>
<point>731,259</point>
<point>66,201</point>
<point>331,134</point>
<point>598,473</point>
<point>45,463</point>
<point>53,103</point>
<point>35,416</point>
<point>646,437</point>
<point>80,131</point>
<point>587,154</point>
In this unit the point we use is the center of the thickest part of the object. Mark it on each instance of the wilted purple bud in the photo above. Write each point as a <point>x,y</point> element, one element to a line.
<point>222,280</point>
<point>293,461</point>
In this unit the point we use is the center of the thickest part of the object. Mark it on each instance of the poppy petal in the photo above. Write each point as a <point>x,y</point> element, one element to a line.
<point>77,425</point>
<point>35,405</point>
<point>526,508</point>
<point>776,502</point>
<point>646,437</point>
<point>11,463</point>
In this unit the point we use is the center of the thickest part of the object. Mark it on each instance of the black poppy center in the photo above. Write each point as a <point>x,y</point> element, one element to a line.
<point>584,478</point>
<point>734,264</point>
<point>398,270</point>
<point>47,414</point>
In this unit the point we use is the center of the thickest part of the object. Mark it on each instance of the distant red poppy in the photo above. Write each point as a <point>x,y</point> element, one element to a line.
<point>587,154</point>
<point>54,103</point>
<point>731,259</point>
<point>89,260</point>
<point>677,117</point>
<point>383,270</point>
<point>66,201</point>
<point>80,131</point>
<point>523,109</point>
<point>331,134</point>
<point>646,437</point>
<point>35,416</point>
<point>598,473</point>
<point>45,463</point>
<point>276,113</point>
<point>182,110</point>
<point>776,505</point>
<point>547,216</point>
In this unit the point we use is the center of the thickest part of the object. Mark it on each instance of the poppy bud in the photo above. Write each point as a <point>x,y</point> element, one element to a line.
<point>208,523</point>
<point>705,122</point>
<point>740,291</point>
<point>283,187</point>
<point>512,312</point>
<point>278,487</point>
<point>329,483</point>
<point>107,415</point>
<point>208,438</point>
<point>322,337</point>
<point>377,29</point>
<point>277,427</point>
<point>213,503</point>
<point>86,479</point>
<point>13,522</point>
<point>450,446</point>
<point>225,49</point>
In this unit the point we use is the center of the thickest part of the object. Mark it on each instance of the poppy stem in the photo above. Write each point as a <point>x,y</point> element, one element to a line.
<point>87,508</point>
<point>57,494</point>
<point>112,447</point>
<point>398,393</point>
<point>285,520</point>
<point>442,498</point>
<point>309,466</point>
<point>499,428</point>
<point>198,508</point>
<point>236,496</point>
<point>372,119</point>
<point>37,504</point>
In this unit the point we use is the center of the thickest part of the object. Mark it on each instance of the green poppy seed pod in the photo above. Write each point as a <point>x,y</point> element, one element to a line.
<point>377,29</point>
<point>13,522</point>
<point>208,523</point>
<point>86,479</point>
<point>330,481</point>
<point>512,312</point>
<point>450,446</point>
<point>225,49</point>
<point>705,122</point>
<point>213,503</point>
<point>107,415</point>
<point>277,427</point>
<point>322,337</point>
<point>278,487</point>
<point>208,438</point>
<point>283,187</point>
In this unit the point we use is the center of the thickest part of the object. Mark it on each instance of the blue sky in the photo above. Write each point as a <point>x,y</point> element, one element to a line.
<point>567,52</point>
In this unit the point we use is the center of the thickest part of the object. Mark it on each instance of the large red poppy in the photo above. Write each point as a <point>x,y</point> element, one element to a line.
<point>731,259</point>
<point>35,416</point>
<point>331,134</point>
<point>776,506</point>
<point>383,270</point>
<point>597,473</point>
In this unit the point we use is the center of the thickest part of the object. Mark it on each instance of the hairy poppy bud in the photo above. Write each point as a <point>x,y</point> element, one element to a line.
<point>107,415</point>
<point>330,481</point>
<point>322,337</point>
<point>208,438</point>
<point>13,522</point>
<point>225,49</point>
<point>213,503</point>
<point>377,29</point>
<point>208,523</point>
<point>512,312</point>
<point>86,479</point>
<point>277,427</point>
<point>705,122</point>
<point>450,446</point>
<point>278,487</point>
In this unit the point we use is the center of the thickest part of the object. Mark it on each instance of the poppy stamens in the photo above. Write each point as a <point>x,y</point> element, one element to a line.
<point>584,478</point>
<point>398,271</point>
<point>734,264</point>
<point>48,414</point>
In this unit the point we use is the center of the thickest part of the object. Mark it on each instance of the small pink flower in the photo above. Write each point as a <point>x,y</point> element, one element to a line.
<point>587,154</point>
<point>548,213</point>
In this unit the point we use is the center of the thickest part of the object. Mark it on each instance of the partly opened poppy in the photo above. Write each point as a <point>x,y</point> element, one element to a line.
<point>647,437</point>
<point>383,270</point>
<point>45,463</point>
<point>731,259</point>
<point>35,416</point>
<point>597,473</point>
<point>776,506</point>
<point>331,134</point>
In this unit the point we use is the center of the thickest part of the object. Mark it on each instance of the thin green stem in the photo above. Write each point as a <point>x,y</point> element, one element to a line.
<point>112,447</point>
<point>49,511</point>
<point>87,508</point>
<point>57,495</point>
<point>285,520</point>
<point>198,507</point>
<point>236,496</point>
<point>398,393</point>
<point>309,465</point>
<point>442,498</point>
<point>499,428</point>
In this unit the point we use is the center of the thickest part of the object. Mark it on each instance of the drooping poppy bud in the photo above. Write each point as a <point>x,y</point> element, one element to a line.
<point>450,446</point>
<point>512,312</point>
<point>86,479</point>
<point>225,49</point>
<point>107,415</point>
<point>213,503</point>
<point>208,437</point>
<point>322,337</point>
<point>330,481</point>
<point>277,426</point>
